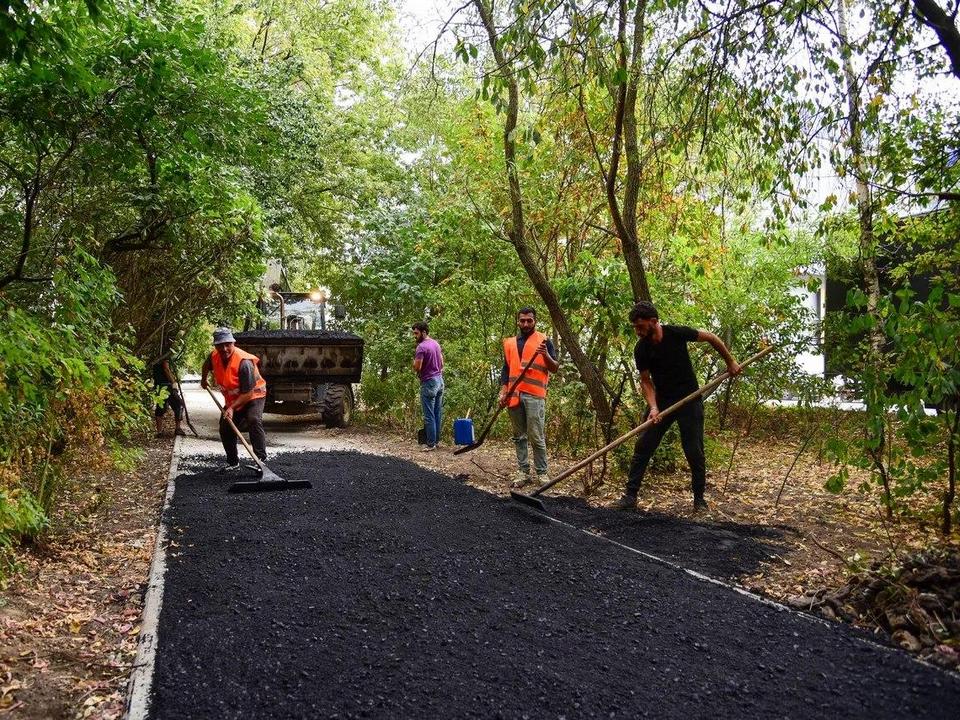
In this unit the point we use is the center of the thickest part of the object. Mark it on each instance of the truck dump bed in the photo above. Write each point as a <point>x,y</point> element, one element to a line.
<point>315,356</point>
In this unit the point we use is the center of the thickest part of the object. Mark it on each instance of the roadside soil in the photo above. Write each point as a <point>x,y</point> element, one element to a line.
<point>69,620</point>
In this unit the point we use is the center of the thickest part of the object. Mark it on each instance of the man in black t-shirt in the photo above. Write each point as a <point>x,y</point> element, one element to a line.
<point>666,376</point>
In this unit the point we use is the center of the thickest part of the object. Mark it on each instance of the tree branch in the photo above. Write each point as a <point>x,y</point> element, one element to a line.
<point>935,18</point>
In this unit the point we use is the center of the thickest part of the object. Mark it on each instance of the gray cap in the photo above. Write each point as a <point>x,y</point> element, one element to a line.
<point>222,335</point>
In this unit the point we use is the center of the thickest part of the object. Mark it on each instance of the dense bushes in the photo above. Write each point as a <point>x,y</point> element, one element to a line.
<point>68,386</point>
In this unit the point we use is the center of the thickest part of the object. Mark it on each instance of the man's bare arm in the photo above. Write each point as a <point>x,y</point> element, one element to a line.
<point>650,394</point>
<point>551,364</point>
<point>733,367</point>
<point>169,373</point>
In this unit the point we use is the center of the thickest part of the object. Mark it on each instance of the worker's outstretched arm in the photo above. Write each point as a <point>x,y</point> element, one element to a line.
<point>650,393</point>
<point>733,367</point>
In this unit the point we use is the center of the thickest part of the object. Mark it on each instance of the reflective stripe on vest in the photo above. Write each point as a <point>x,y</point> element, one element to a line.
<point>228,377</point>
<point>537,377</point>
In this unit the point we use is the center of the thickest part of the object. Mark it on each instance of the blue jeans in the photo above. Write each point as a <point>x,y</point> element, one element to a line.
<point>431,397</point>
<point>528,428</point>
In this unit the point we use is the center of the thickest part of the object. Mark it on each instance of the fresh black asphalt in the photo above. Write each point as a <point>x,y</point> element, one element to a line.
<point>391,591</point>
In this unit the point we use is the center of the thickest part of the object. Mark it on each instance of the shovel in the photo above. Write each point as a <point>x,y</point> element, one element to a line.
<point>269,480</point>
<point>483,435</point>
<point>533,501</point>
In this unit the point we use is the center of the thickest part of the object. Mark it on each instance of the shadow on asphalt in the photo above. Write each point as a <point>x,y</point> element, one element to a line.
<point>725,550</point>
<point>292,424</point>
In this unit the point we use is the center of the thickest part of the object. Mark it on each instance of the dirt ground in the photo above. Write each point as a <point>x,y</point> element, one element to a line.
<point>69,620</point>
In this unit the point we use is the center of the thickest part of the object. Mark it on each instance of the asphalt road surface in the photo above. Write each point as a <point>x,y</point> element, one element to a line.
<point>392,591</point>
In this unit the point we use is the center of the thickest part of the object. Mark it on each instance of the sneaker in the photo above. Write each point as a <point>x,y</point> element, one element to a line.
<point>520,479</point>
<point>627,502</point>
<point>542,479</point>
<point>700,505</point>
<point>428,448</point>
<point>228,468</point>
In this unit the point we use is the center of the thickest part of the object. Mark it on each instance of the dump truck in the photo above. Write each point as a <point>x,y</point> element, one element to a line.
<point>308,368</point>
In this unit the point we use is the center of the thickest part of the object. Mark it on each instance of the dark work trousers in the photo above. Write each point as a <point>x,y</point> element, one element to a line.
<point>172,400</point>
<point>248,418</point>
<point>690,420</point>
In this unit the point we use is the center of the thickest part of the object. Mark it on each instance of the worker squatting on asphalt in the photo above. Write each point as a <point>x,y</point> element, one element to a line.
<point>666,376</point>
<point>237,374</point>
<point>526,405</point>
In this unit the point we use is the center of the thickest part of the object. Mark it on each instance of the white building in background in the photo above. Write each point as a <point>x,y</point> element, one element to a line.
<point>812,359</point>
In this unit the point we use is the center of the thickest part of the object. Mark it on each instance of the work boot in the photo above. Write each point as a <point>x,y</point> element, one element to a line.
<point>699,504</point>
<point>520,479</point>
<point>542,479</point>
<point>627,502</point>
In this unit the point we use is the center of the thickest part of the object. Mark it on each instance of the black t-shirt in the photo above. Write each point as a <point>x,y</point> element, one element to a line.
<point>159,375</point>
<point>669,363</point>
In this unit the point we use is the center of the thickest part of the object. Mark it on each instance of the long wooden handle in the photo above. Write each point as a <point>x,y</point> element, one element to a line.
<point>708,388</point>
<point>257,460</point>
<point>523,371</point>
<point>186,413</point>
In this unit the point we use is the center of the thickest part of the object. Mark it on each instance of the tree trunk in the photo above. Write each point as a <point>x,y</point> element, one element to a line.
<point>936,18</point>
<point>951,492</point>
<point>31,191</point>
<point>631,191</point>
<point>517,232</point>
<point>867,241</point>
<point>625,134</point>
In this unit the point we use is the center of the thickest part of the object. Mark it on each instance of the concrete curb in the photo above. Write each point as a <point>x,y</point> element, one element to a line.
<point>141,678</point>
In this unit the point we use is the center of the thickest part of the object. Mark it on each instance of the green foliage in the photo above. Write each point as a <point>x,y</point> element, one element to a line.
<point>20,516</point>
<point>905,448</point>
<point>25,25</point>
<point>67,385</point>
<point>154,157</point>
<point>439,254</point>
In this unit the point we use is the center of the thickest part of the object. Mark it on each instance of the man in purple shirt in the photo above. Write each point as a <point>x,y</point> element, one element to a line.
<point>428,364</point>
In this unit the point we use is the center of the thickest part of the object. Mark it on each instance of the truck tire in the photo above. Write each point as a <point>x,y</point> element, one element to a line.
<point>337,407</point>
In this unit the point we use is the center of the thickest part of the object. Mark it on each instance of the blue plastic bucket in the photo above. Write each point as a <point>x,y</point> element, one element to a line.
<point>463,431</point>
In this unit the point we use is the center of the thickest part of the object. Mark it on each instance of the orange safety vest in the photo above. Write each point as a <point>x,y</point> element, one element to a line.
<point>228,377</point>
<point>536,378</point>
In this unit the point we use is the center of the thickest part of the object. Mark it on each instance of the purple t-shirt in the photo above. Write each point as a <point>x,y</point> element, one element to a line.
<point>432,359</point>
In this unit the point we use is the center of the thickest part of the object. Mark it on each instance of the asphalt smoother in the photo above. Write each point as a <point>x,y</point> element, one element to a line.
<point>391,591</point>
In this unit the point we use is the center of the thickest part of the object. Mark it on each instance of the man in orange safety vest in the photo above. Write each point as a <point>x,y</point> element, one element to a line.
<point>526,405</point>
<point>237,374</point>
